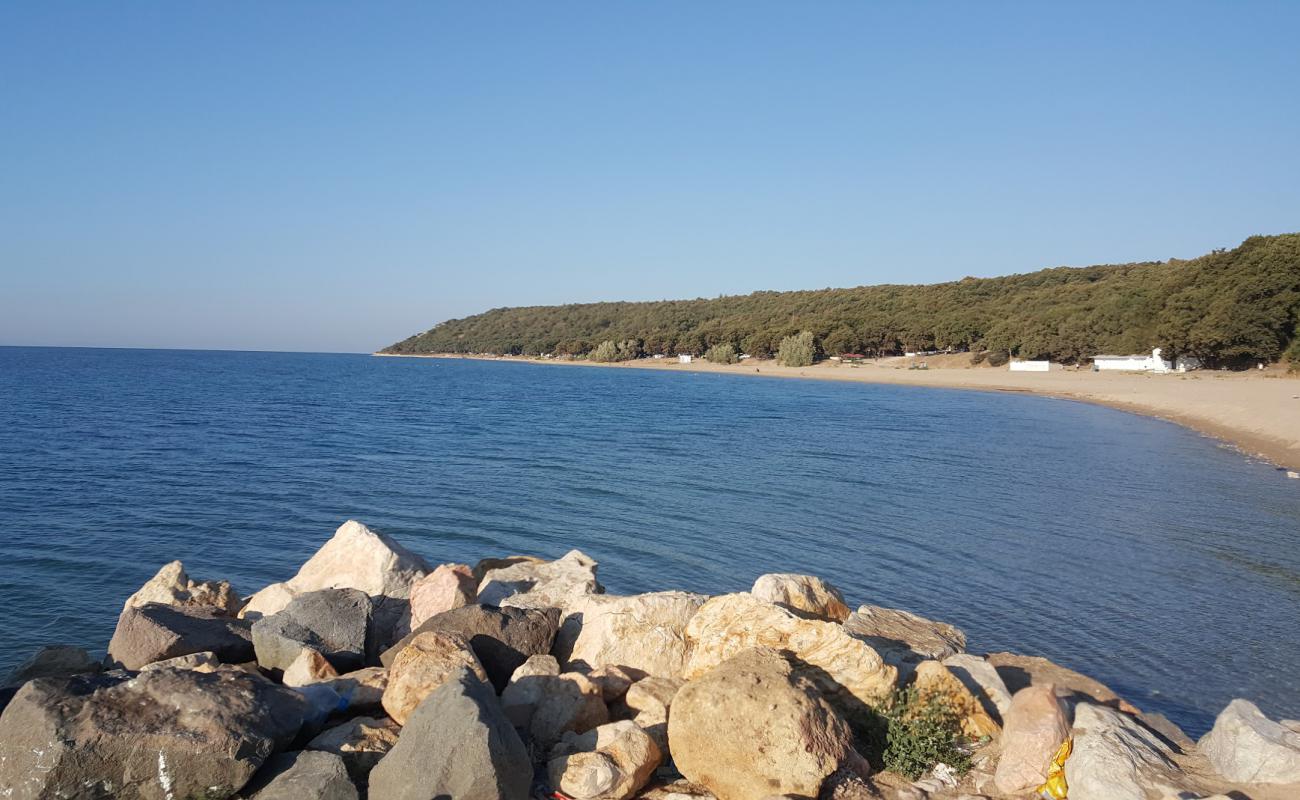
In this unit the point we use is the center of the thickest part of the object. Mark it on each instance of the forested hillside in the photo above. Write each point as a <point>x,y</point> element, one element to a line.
<point>1228,308</point>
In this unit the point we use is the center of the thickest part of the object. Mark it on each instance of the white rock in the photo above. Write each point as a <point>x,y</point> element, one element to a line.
<point>983,680</point>
<point>544,584</point>
<point>1115,758</point>
<point>610,762</point>
<point>1247,747</point>
<point>643,632</point>
<point>206,661</point>
<point>172,587</point>
<point>806,595</point>
<point>902,637</point>
<point>354,558</point>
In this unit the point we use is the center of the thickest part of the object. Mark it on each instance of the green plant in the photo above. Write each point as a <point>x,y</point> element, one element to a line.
<point>798,350</point>
<point>998,358</point>
<point>724,353</point>
<point>921,733</point>
<point>605,351</point>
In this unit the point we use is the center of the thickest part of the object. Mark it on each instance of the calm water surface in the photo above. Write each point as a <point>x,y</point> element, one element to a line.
<point>1127,548</point>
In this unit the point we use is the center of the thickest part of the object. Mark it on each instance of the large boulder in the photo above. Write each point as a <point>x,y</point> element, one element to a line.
<point>332,622</point>
<point>155,631</point>
<point>549,706</point>
<point>611,762</point>
<point>1020,671</point>
<point>847,670</point>
<point>172,587</point>
<point>361,743</point>
<point>502,638</point>
<point>354,558</point>
<point>903,638</point>
<point>753,727</point>
<point>457,745</point>
<point>805,595</point>
<point>1033,729</point>
<point>983,681</point>
<point>935,683</point>
<point>644,632</point>
<point>161,734</point>
<point>53,661</point>
<point>431,659</point>
<point>540,584</point>
<point>447,587</point>
<point>302,775</point>
<point>1247,747</point>
<point>1116,758</point>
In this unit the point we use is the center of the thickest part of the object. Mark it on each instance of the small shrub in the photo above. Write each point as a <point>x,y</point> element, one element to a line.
<point>606,351</point>
<point>724,353</point>
<point>797,351</point>
<point>998,358</point>
<point>978,357</point>
<point>921,733</point>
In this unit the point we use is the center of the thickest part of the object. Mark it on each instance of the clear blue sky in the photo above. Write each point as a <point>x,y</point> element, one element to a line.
<point>325,176</point>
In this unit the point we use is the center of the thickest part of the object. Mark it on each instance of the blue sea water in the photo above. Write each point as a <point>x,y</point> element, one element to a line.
<point>1130,549</point>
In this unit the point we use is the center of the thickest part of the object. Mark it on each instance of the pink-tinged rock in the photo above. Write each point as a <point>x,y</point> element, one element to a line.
<point>447,587</point>
<point>1033,729</point>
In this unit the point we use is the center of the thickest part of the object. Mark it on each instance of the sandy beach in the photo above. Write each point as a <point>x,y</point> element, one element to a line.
<point>1257,411</point>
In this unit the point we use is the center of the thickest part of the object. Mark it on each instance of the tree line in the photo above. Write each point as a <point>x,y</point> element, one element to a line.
<point>1229,308</point>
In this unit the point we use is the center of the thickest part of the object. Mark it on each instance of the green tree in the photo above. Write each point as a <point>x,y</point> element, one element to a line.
<point>798,350</point>
<point>724,353</point>
<point>605,352</point>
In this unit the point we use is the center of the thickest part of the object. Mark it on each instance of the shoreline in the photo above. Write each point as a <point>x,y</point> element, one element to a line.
<point>1258,414</point>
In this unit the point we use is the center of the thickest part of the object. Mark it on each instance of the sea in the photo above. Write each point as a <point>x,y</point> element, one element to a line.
<point>1158,561</point>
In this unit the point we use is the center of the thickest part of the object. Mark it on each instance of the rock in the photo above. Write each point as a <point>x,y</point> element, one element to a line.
<point>155,632</point>
<point>680,789</point>
<point>753,726</point>
<point>933,681</point>
<point>360,742</point>
<point>54,661</point>
<point>1032,731</point>
<point>653,696</point>
<point>447,587</point>
<point>1020,671</point>
<point>354,558</point>
<point>309,667</point>
<point>163,733</point>
<point>548,706</point>
<point>805,595</point>
<point>983,681</point>
<point>302,775</point>
<point>199,662</point>
<point>613,682</point>
<point>362,690</point>
<point>903,638</point>
<point>331,621</point>
<point>172,587</point>
<point>1116,758</point>
<point>430,660</point>
<point>540,584</point>
<point>502,638</point>
<point>850,674</point>
<point>536,665</point>
<point>390,622</point>
<point>610,762</point>
<point>456,745</point>
<point>645,632</point>
<point>1247,747</point>
<point>486,565</point>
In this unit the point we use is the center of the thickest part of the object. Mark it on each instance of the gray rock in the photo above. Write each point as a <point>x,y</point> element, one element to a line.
<point>1116,758</point>
<point>502,638</point>
<point>457,745</point>
<point>902,638</point>
<point>164,733</point>
<point>304,775</point>
<point>333,622</point>
<point>54,661</point>
<point>172,587</point>
<point>1248,747</point>
<point>361,742</point>
<point>156,632</point>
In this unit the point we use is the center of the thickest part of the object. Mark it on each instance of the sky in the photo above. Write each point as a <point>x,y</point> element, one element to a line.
<point>335,177</point>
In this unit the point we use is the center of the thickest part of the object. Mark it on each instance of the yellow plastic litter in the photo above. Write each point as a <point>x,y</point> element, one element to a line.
<point>1056,788</point>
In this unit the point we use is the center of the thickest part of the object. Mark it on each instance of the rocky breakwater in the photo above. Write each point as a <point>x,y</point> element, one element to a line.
<point>371,674</point>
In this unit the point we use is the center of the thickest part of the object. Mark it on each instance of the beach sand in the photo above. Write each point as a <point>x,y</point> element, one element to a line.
<point>1257,411</point>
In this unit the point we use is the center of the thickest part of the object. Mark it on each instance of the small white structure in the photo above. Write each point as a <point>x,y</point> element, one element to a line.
<point>1151,363</point>
<point>658,356</point>
<point>1031,366</point>
<point>685,358</point>
<point>1185,363</point>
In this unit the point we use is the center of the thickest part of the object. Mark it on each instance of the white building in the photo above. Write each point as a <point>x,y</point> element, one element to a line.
<point>1031,366</point>
<point>1151,363</point>
<point>685,358</point>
